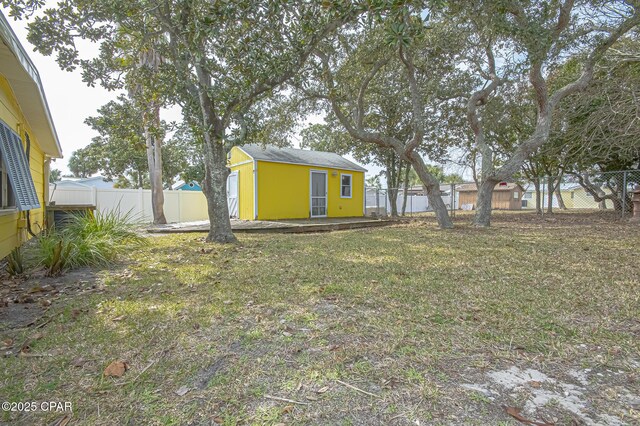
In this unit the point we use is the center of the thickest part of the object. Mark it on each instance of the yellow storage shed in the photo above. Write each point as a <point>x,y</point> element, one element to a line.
<point>269,183</point>
<point>28,142</point>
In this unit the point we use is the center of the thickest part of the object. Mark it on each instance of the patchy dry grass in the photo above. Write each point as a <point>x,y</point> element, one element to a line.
<point>408,313</point>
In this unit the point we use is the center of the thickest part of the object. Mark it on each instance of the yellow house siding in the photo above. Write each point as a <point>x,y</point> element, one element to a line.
<point>10,113</point>
<point>9,109</point>
<point>8,233</point>
<point>284,191</point>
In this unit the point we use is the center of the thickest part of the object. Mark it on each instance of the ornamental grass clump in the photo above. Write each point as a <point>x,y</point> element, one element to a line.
<point>87,240</point>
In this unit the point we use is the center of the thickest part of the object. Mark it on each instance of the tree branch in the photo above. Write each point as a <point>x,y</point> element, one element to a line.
<point>416,101</point>
<point>262,87</point>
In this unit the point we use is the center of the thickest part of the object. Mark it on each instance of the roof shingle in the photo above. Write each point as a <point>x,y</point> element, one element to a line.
<point>300,156</point>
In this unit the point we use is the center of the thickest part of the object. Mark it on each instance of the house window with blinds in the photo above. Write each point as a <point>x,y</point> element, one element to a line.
<point>16,186</point>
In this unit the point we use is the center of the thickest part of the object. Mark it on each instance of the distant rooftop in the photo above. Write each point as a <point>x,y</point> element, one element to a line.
<point>502,186</point>
<point>300,156</point>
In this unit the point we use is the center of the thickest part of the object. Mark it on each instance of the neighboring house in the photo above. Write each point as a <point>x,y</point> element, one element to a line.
<point>506,196</point>
<point>576,197</point>
<point>287,183</point>
<point>186,186</point>
<point>28,142</point>
<point>573,195</point>
<point>99,182</point>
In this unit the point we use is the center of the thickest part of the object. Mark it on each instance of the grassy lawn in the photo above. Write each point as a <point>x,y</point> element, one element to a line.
<point>418,318</point>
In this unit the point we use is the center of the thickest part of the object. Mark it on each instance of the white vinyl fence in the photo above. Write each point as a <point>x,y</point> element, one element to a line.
<point>179,206</point>
<point>376,200</point>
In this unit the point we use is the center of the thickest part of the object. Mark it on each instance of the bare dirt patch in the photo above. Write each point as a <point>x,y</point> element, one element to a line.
<point>25,300</point>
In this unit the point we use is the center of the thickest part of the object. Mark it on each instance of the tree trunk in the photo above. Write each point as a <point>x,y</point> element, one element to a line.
<point>482,217</point>
<point>558,193</point>
<point>595,191</point>
<point>392,192</point>
<point>561,204</point>
<point>433,191</point>
<point>154,160</point>
<point>215,165</point>
<point>407,171</point>
<point>616,193</point>
<point>550,188</point>
<point>150,59</point>
<point>602,204</point>
<point>215,190</point>
<point>536,185</point>
<point>619,192</point>
<point>393,199</point>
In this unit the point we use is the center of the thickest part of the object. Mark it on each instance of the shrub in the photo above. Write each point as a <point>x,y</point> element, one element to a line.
<point>15,262</point>
<point>87,240</point>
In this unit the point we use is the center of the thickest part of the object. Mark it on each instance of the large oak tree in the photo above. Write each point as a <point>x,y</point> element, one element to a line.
<point>219,59</point>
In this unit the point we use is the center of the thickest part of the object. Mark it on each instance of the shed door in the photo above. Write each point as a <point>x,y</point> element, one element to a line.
<point>232,194</point>
<point>318,194</point>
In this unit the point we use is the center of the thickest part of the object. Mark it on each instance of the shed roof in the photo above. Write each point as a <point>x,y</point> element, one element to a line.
<point>502,186</point>
<point>24,79</point>
<point>300,156</point>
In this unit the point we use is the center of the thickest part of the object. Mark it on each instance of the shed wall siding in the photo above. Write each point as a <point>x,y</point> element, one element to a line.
<point>500,200</point>
<point>284,191</point>
<point>240,162</point>
<point>236,155</point>
<point>10,113</point>
<point>245,190</point>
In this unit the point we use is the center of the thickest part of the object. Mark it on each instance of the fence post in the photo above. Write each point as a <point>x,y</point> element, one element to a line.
<point>378,201</point>
<point>386,201</point>
<point>624,193</point>
<point>141,203</point>
<point>452,199</point>
<point>180,206</point>
<point>411,205</point>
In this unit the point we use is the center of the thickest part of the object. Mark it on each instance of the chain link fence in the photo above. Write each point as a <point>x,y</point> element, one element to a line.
<point>586,192</point>
<point>606,191</point>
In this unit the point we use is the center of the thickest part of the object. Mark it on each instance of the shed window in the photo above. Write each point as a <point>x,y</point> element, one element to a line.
<point>345,186</point>
<point>16,183</point>
<point>516,195</point>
